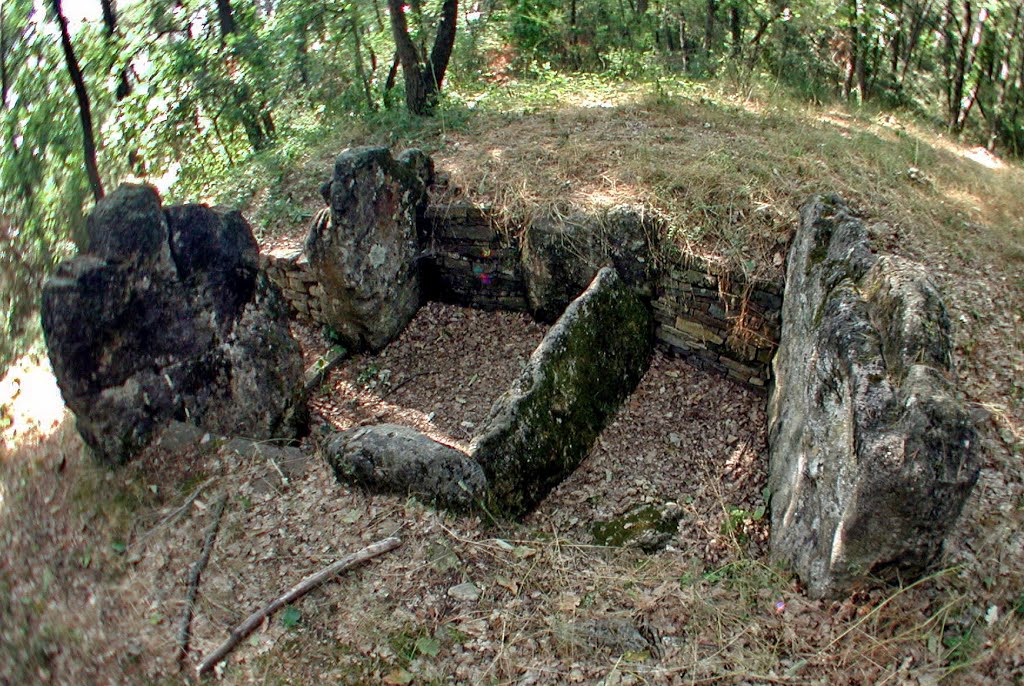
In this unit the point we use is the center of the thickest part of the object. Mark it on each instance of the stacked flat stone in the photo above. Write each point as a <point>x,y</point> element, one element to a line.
<point>288,268</point>
<point>470,261</point>
<point>718,320</point>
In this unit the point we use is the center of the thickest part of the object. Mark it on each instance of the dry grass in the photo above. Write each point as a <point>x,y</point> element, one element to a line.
<point>730,170</point>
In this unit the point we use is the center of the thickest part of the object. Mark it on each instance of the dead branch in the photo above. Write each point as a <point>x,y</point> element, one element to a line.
<point>406,380</point>
<point>297,591</point>
<point>185,627</point>
<point>178,510</point>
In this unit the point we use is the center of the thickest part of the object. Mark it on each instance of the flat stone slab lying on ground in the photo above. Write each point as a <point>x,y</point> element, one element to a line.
<point>589,362</point>
<point>871,454</point>
<point>166,316</point>
<point>397,459</point>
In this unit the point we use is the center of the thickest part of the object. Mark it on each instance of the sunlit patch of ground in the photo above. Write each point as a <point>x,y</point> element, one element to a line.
<point>30,402</point>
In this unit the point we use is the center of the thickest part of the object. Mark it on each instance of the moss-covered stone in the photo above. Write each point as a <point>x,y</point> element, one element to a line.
<point>648,528</point>
<point>544,425</point>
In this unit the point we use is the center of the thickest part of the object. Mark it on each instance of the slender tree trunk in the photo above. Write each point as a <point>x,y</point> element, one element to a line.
<point>84,111</point>
<point>1018,87</point>
<point>5,83</point>
<point>124,85</point>
<point>389,82</point>
<point>960,51</point>
<point>766,23</point>
<point>423,81</point>
<point>916,28</point>
<point>360,69</point>
<point>711,11</point>
<point>378,15</point>
<point>444,43</point>
<point>226,19</point>
<point>736,29</point>
<point>5,78</point>
<point>855,73</point>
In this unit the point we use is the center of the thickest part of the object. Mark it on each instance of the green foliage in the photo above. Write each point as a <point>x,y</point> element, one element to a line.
<point>290,617</point>
<point>230,116</point>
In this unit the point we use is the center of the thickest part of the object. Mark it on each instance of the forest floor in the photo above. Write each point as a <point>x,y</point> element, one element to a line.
<point>95,562</point>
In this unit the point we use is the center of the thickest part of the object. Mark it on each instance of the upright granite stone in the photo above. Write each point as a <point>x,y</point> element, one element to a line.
<point>871,453</point>
<point>165,316</point>
<point>397,459</point>
<point>589,362</point>
<point>561,256</point>
<point>364,251</point>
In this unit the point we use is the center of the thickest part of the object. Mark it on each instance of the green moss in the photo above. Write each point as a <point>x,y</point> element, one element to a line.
<point>635,527</point>
<point>589,364</point>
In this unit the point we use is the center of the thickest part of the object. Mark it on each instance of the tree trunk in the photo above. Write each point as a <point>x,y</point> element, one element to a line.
<point>124,86</point>
<point>916,28</point>
<point>855,62</point>
<point>960,50</point>
<point>5,83</point>
<point>736,29</point>
<point>444,43</point>
<point>5,78</point>
<point>423,80</point>
<point>766,23</point>
<point>226,19</point>
<point>711,10</point>
<point>84,112</point>
<point>360,69</point>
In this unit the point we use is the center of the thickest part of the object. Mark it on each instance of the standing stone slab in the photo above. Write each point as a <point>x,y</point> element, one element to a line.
<point>364,250</point>
<point>166,317</point>
<point>871,454</point>
<point>544,425</point>
<point>561,256</point>
<point>397,459</point>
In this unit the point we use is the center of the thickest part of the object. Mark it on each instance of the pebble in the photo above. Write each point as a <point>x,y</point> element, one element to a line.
<point>467,592</point>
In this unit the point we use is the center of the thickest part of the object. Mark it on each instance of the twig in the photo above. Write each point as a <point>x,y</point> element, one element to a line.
<point>185,627</point>
<point>273,463</point>
<point>178,510</point>
<point>411,377</point>
<point>297,591</point>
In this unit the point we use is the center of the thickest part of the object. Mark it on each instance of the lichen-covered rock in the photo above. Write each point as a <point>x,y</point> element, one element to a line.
<point>871,454</point>
<point>397,459</point>
<point>544,425</point>
<point>166,317</point>
<point>364,251</point>
<point>561,256</point>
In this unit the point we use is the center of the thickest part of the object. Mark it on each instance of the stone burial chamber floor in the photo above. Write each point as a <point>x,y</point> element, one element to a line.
<point>685,436</point>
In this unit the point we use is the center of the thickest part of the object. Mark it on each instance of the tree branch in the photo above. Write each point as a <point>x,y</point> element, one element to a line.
<point>300,589</point>
<point>185,627</point>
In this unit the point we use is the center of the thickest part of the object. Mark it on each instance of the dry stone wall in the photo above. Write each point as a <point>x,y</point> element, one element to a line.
<point>718,319</point>
<point>288,268</point>
<point>470,261</point>
<point>714,317</point>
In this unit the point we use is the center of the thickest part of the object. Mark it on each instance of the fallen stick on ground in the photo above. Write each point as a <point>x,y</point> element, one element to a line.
<point>406,380</point>
<point>185,627</point>
<point>297,591</point>
<point>178,510</point>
